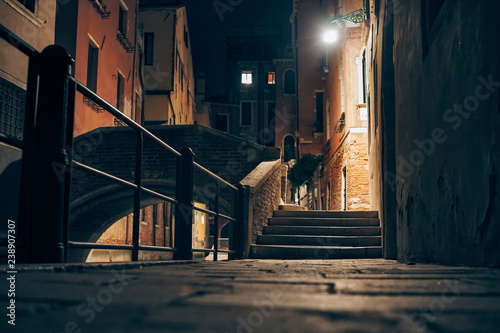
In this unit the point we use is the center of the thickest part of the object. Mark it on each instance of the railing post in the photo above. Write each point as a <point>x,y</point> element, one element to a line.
<point>49,193</point>
<point>136,222</point>
<point>184,209</point>
<point>238,241</point>
<point>27,160</point>
<point>216,220</point>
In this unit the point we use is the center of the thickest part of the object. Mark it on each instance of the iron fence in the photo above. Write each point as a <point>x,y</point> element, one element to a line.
<point>48,164</point>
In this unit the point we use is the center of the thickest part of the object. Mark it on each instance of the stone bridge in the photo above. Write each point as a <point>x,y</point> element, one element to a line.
<point>97,203</point>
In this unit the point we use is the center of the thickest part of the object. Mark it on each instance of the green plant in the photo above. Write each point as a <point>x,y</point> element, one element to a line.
<point>303,171</point>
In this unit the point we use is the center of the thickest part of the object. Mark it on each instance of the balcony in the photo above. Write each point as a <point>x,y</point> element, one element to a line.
<point>101,8</point>
<point>93,105</point>
<point>126,44</point>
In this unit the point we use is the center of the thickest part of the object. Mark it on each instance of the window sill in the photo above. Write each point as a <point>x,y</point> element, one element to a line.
<point>30,16</point>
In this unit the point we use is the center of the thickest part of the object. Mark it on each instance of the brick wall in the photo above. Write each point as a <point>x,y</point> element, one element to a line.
<point>353,155</point>
<point>157,216</point>
<point>358,186</point>
<point>97,204</point>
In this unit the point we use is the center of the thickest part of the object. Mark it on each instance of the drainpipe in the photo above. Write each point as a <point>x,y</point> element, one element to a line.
<point>297,88</point>
<point>133,106</point>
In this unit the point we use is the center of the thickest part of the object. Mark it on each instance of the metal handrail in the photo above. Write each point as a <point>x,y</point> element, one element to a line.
<point>12,141</point>
<point>213,175</point>
<point>105,175</point>
<point>17,42</point>
<point>72,86</point>
<point>118,114</point>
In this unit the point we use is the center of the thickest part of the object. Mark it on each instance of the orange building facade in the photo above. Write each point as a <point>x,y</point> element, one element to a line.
<point>101,36</point>
<point>333,102</point>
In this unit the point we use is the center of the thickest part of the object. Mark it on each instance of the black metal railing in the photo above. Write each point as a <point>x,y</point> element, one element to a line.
<point>48,165</point>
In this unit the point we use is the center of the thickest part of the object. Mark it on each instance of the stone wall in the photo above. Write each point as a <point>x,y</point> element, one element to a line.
<point>265,196</point>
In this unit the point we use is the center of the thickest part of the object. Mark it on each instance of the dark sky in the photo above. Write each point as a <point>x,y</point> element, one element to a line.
<point>208,31</point>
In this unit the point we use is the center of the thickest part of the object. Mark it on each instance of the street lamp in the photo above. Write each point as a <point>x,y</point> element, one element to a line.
<point>331,36</point>
<point>357,16</point>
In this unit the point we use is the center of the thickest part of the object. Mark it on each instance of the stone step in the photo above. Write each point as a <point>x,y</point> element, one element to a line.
<point>326,214</point>
<point>319,240</point>
<point>321,231</point>
<point>343,222</point>
<point>314,252</point>
<point>291,207</point>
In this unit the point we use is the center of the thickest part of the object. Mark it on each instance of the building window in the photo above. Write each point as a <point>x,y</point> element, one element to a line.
<point>222,122</point>
<point>92,66</point>
<point>120,92</point>
<point>138,107</point>
<point>186,37</point>
<point>12,104</point>
<point>289,82</point>
<point>271,78</point>
<point>289,148</point>
<point>318,126</point>
<point>29,4</point>
<point>246,113</point>
<point>149,40</point>
<point>181,73</point>
<point>364,77</point>
<point>122,20</point>
<point>271,125</point>
<point>246,77</point>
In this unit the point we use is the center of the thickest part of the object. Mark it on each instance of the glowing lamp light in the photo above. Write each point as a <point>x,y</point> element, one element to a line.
<point>331,36</point>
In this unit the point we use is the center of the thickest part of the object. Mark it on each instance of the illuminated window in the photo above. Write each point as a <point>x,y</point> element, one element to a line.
<point>246,77</point>
<point>271,78</point>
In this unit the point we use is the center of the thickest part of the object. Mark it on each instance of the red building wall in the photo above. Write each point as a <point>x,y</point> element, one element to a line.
<point>113,59</point>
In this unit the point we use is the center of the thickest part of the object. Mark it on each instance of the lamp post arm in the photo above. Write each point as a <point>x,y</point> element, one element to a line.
<point>358,16</point>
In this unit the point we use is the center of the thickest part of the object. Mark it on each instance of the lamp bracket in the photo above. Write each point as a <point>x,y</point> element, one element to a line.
<point>358,16</point>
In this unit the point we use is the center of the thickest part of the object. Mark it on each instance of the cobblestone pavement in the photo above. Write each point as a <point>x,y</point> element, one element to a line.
<point>256,296</point>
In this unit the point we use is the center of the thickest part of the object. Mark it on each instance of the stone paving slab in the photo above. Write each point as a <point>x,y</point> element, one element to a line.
<point>370,295</point>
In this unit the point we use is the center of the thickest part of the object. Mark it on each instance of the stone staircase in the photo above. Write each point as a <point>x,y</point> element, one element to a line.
<point>320,235</point>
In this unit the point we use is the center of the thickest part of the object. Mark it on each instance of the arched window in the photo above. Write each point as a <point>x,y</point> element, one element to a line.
<point>289,82</point>
<point>289,148</point>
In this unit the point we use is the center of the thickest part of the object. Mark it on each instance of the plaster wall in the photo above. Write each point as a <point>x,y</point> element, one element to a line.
<point>37,29</point>
<point>286,110</point>
<point>447,125</point>
<point>113,59</point>
<point>311,51</point>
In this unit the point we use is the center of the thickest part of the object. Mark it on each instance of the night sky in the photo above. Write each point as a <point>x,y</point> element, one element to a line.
<point>208,32</point>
